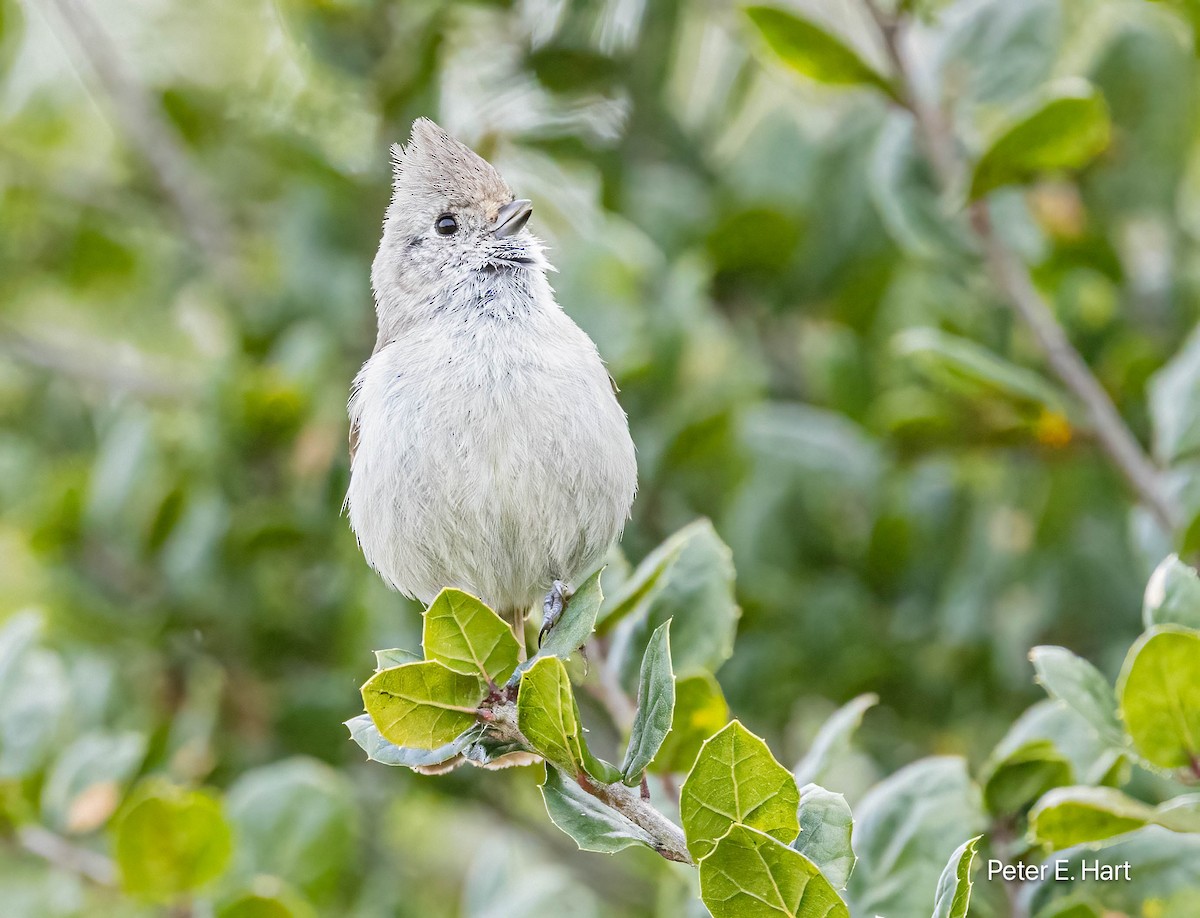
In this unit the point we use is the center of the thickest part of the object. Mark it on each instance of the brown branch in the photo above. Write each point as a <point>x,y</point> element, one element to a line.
<point>933,134</point>
<point>55,849</point>
<point>1012,280</point>
<point>667,838</point>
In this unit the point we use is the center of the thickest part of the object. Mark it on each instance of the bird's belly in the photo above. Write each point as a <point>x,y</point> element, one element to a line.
<point>496,490</point>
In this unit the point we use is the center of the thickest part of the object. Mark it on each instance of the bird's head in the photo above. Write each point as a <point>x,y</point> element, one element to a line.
<point>452,220</point>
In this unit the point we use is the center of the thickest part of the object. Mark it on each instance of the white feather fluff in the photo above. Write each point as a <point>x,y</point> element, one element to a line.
<point>492,454</point>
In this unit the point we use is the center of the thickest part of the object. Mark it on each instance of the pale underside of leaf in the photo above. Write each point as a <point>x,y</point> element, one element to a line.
<point>656,704</point>
<point>364,732</point>
<point>592,825</point>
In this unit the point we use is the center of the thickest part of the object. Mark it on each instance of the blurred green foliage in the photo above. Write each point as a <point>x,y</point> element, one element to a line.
<point>807,348</point>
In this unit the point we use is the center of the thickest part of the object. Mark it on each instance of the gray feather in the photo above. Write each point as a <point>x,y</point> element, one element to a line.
<point>491,453</point>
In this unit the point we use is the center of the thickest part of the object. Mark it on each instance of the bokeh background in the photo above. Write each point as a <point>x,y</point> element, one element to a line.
<point>191,194</point>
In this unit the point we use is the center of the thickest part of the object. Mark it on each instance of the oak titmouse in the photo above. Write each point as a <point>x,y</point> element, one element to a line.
<point>489,452</point>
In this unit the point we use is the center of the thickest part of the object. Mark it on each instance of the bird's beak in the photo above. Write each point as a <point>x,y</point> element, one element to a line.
<point>512,218</point>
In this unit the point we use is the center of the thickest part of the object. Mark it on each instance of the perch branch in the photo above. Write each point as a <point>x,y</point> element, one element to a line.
<point>667,838</point>
<point>1012,280</point>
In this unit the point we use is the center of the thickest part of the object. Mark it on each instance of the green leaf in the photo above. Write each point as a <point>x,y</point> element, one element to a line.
<point>826,826</point>
<point>34,711</point>
<point>197,718</point>
<point>268,899</point>
<point>656,706</point>
<point>593,826</point>
<point>969,369</point>
<point>1164,871</point>
<point>1048,746</point>
<point>1180,814</point>
<point>573,629</point>
<point>364,732</point>
<point>1067,816</point>
<point>751,875</point>
<point>1064,132</point>
<point>295,819</point>
<point>905,829</point>
<point>547,715</point>
<point>697,591</point>
<point>1014,781</point>
<point>16,637</point>
<point>736,780</point>
<point>813,51</point>
<point>1175,404</point>
<point>577,622</point>
<point>1073,910</point>
<point>700,711</point>
<point>904,193</point>
<point>170,840</point>
<point>1159,690</point>
<point>12,28</point>
<point>1172,595</point>
<point>1090,757</point>
<point>954,887</point>
<point>1081,687</point>
<point>88,779</point>
<point>422,705</point>
<point>466,636</point>
<point>993,52</point>
<point>643,585</point>
<point>549,718</point>
<point>395,656</point>
<point>833,738</point>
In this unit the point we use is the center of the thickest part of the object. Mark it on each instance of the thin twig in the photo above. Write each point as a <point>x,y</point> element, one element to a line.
<point>58,851</point>
<point>1012,280</point>
<point>621,709</point>
<point>666,837</point>
<point>933,134</point>
<point>155,139</point>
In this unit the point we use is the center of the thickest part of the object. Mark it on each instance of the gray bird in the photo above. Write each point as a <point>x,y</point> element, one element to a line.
<point>488,450</point>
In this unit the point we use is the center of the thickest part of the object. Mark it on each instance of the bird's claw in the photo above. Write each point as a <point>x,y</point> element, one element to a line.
<point>552,608</point>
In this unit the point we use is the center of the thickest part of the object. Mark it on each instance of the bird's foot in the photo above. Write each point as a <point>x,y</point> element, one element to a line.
<point>553,607</point>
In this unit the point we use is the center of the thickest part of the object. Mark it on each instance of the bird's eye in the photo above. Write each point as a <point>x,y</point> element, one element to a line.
<point>446,225</point>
